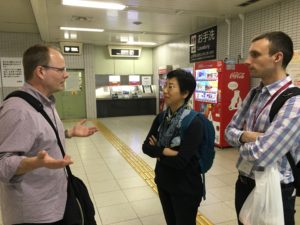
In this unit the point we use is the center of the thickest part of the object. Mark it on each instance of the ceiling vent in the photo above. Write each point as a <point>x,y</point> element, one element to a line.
<point>249,2</point>
<point>82,18</point>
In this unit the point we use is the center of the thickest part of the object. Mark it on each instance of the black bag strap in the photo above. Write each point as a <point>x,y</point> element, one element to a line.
<point>276,106</point>
<point>292,163</point>
<point>253,93</point>
<point>28,98</point>
<point>36,104</point>
<point>281,99</point>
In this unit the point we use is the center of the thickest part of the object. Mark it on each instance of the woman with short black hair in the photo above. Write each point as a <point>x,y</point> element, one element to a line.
<point>177,171</point>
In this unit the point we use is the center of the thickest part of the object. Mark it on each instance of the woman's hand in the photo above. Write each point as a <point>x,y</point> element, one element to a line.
<point>169,152</point>
<point>152,140</point>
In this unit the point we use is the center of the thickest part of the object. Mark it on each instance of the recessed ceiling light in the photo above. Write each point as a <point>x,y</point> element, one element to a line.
<point>66,35</point>
<point>94,4</point>
<point>73,36</point>
<point>123,39</point>
<point>81,29</point>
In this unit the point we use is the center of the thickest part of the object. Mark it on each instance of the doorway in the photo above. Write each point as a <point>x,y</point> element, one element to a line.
<point>70,103</point>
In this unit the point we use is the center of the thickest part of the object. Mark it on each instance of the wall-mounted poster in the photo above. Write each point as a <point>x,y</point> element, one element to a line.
<point>114,80</point>
<point>12,72</point>
<point>146,80</point>
<point>134,79</point>
<point>203,45</point>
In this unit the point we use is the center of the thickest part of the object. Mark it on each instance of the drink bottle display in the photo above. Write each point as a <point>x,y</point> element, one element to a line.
<point>220,90</point>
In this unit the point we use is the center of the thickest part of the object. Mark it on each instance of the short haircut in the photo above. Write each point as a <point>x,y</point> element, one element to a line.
<point>279,42</point>
<point>185,80</point>
<point>37,55</point>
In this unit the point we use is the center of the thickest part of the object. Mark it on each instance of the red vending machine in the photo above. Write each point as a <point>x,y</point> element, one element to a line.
<point>162,76</point>
<point>220,91</point>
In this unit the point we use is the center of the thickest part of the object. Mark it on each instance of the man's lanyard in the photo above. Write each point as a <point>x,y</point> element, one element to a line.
<point>269,101</point>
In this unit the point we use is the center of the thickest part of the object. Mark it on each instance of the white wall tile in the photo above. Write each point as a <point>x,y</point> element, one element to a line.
<point>284,16</point>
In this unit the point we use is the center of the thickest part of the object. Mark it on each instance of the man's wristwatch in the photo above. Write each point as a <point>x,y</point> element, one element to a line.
<point>67,133</point>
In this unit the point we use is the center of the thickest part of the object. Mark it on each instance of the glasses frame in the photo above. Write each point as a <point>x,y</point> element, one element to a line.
<point>169,87</point>
<point>61,70</point>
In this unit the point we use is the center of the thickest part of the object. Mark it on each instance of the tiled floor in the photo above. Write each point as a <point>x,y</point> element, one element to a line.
<point>218,207</point>
<point>122,197</point>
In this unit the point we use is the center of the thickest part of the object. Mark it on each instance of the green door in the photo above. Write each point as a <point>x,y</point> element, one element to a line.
<point>70,103</point>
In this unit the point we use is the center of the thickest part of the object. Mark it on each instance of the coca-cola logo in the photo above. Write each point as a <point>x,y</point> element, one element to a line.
<point>237,75</point>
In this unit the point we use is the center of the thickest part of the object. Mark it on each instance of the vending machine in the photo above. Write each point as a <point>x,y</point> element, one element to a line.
<point>219,92</point>
<point>190,70</point>
<point>162,76</point>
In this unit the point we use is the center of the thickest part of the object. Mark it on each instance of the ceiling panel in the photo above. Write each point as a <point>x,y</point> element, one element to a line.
<point>161,20</point>
<point>17,16</point>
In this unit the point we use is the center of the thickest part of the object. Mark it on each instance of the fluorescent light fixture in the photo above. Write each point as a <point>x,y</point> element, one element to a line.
<point>73,36</point>
<point>130,39</point>
<point>123,39</point>
<point>81,29</point>
<point>94,4</point>
<point>66,35</point>
<point>140,43</point>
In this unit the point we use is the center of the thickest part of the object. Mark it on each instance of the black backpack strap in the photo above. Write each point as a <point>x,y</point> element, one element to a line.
<point>36,104</point>
<point>295,171</point>
<point>292,162</point>
<point>281,99</point>
<point>276,106</point>
<point>28,98</point>
<point>253,93</point>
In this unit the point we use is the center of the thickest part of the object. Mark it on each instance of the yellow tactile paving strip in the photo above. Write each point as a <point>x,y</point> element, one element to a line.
<point>137,163</point>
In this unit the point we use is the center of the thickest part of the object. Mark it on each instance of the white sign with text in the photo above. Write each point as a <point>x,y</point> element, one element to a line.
<point>12,72</point>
